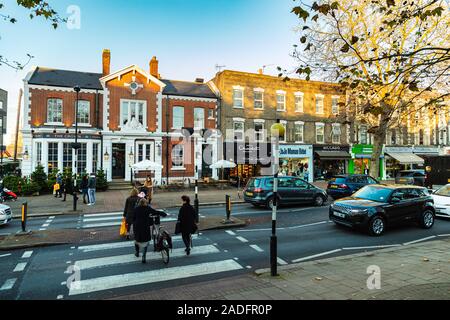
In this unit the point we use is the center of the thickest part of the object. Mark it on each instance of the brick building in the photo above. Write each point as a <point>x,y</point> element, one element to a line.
<point>124,117</point>
<point>313,114</point>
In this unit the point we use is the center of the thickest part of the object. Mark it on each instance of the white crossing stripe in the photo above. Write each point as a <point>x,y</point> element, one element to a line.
<point>52,217</point>
<point>5,255</point>
<point>110,224</point>
<point>117,245</point>
<point>103,214</point>
<point>230,232</point>
<point>419,240</point>
<point>316,255</point>
<point>20,267</point>
<point>45,225</point>
<point>130,258</point>
<point>102,219</point>
<point>281,261</point>
<point>139,278</point>
<point>27,254</point>
<point>8,284</point>
<point>257,248</point>
<point>242,239</point>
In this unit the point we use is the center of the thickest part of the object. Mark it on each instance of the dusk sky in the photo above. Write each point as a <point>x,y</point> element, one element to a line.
<point>188,37</point>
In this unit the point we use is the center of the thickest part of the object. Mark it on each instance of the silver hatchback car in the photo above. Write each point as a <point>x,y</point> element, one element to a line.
<point>5,214</point>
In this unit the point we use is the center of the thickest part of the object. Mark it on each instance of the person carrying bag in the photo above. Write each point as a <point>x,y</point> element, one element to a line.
<point>186,223</point>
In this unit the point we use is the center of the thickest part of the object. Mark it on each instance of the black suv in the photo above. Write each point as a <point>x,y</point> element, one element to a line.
<point>291,190</point>
<point>375,206</point>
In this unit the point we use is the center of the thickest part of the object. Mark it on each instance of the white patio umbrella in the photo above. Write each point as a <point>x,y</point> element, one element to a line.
<point>223,164</point>
<point>147,165</point>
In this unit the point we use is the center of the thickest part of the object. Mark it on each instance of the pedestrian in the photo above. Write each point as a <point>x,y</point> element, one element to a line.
<point>60,190</point>
<point>92,184</point>
<point>148,184</point>
<point>306,174</point>
<point>128,212</point>
<point>141,228</point>
<point>186,222</point>
<point>84,188</point>
<point>67,187</point>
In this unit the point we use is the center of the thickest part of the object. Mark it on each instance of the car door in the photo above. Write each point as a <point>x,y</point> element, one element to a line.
<point>396,211</point>
<point>413,199</point>
<point>286,189</point>
<point>419,179</point>
<point>303,191</point>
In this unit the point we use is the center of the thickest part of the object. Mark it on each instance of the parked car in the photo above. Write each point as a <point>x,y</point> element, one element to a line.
<point>414,177</point>
<point>345,185</point>
<point>375,206</point>
<point>5,214</point>
<point>291,190</point>
<point>441,199</point>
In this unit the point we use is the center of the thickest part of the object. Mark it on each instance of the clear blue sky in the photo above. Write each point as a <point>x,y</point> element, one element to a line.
<point>188,37</point>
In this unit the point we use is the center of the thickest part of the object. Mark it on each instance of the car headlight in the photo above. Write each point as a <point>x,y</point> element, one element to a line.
<point>358,211</point>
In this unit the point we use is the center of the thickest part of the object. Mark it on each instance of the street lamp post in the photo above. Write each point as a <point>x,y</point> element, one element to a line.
<point>76,146</point>
<point>277,130</point>
<point>131,161</point>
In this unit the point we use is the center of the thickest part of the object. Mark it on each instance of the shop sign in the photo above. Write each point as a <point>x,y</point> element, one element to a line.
<point>295,151</point>
<point>248,153</point>
<point>71,136</point>
<point>362,149</point>
<point>331,148</point>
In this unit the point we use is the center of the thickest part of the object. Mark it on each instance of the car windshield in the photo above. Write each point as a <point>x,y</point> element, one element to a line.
<point>254,183</point>
<point>374,193</point>
<point>444,191</point>
<point>337,180</point>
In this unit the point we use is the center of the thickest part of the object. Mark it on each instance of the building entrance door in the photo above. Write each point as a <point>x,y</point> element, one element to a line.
<point>118,161</point>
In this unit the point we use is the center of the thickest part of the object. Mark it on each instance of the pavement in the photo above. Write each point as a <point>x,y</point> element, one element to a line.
<point>416,272</point>
<point>114,200</point>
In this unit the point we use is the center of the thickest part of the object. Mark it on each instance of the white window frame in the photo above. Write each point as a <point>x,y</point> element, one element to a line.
<point>302,124</point>
<point>88,112</point>
<point>211,111</point>
<point>137,102</point>
<point>1,105</point>
<point>204,124</point>
<point>360,134</point>
<point>336,125</point>
<point>62,112</point>
<point>302,96</point>
<point>283,94</point>
<point>263,136</point>
<point>284,124</point>
<point>258,90</point>
<point>335,107</point>
<point>320,125</point>
<point>178,167</point>
<point>322,98</point>
<point>239,120</point>
<point>145,146</point>
<point>173,118</point>
<point>238,88</point>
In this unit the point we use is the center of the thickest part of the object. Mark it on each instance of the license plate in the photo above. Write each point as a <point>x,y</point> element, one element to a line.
<point>250,194</point>
<point>333,186</point>
<point>338,214</point>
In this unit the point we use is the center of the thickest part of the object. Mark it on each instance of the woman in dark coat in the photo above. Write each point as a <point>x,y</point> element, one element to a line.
<point>141,228</point>
<point>68,189</point>
<point>84,188</point>
<point>128,212</point>
<point>186,220</point>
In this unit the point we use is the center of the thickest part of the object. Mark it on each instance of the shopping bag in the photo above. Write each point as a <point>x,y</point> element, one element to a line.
<point>178,228</point>
<point>123,228</point>
<point>56,187</point>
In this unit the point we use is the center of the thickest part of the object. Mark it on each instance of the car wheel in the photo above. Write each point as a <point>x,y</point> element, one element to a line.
<point>426,220</point>
<point>318,201</point>
<point>269,203</point>
<point>376,226</point>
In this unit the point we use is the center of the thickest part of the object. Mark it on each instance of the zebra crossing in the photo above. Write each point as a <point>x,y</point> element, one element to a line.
<point>109,219</point>
<point>105,268</point>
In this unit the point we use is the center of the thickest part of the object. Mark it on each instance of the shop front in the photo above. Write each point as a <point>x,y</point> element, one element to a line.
<point>296,160</point>
<point>252,159</point>
<point>401,158</point>
<point>361,157</point>
<point>330,160</point>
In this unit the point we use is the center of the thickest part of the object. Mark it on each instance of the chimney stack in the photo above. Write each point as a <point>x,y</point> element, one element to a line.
<point>154,67</point>
<point>260,71</point>
<point>106,61</point>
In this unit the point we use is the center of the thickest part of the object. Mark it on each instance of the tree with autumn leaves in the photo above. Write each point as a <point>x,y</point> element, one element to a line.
<point>388,55</point>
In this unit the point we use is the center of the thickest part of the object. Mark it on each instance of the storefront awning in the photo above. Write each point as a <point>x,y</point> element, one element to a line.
<point>333,154</point>
<point>406,157</point>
